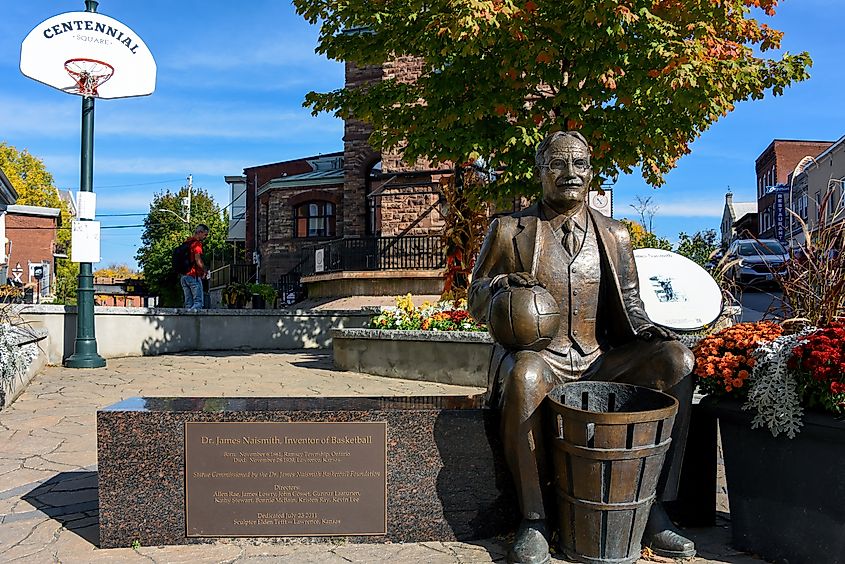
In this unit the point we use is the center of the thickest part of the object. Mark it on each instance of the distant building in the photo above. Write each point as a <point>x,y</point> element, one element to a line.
<point>122,292</point>
<point>774,167</point>
<point>31,232</point>
<point>820,185</point>
<point>8,196</point>
<point>736,218</point>
<point>357,208</point>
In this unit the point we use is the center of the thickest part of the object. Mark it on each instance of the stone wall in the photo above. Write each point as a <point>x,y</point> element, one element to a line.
<point>280,249</point>
<point>415,209</point>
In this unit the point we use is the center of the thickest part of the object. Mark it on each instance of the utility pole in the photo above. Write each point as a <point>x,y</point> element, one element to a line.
<point>190,189</point>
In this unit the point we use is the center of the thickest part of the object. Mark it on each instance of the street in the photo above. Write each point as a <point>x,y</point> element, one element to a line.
<point>756,303</point>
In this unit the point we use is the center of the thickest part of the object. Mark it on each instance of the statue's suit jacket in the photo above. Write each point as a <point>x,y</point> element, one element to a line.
<point>510,247</point>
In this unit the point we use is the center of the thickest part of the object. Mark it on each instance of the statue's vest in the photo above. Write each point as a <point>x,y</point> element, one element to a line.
<point>578,295</point>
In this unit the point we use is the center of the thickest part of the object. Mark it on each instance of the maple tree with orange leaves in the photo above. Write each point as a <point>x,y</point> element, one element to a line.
<point>641,79</point>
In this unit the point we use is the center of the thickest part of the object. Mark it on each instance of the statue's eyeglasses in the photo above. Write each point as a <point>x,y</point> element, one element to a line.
<point>579,164</point>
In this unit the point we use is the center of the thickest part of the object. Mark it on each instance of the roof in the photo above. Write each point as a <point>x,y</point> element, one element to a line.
<point>8,195</point>
<point>34,210</point>
<point>291,161</point>
<point>67,197</point>
<point>316,178</point>
<point>744,208</point>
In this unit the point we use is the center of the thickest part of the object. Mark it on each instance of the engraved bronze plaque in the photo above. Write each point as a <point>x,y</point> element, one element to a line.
<point>267,479</point>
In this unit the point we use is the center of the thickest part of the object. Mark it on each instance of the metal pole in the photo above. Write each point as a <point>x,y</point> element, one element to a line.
<point>85,347</point>
<point>190,189</point>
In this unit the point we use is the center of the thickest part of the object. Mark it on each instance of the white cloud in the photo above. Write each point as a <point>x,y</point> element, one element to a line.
<point>703,208</point>
<point>173,118</point>
<point>282,51</point>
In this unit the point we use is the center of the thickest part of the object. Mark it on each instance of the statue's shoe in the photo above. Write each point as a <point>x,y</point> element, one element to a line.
<point>531,545</point>
<point>669,544</point>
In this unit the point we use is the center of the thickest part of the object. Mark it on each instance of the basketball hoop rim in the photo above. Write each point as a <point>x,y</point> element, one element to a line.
<point>87,60</point>
<point>88,82</point>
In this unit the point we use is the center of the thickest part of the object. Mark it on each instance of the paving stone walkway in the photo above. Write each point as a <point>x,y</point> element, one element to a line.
<point>48,465</point>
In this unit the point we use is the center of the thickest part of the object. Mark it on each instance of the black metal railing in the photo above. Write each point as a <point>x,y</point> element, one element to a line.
<point>228,273</point>
<point>289,288</point>
<point>409,252</point>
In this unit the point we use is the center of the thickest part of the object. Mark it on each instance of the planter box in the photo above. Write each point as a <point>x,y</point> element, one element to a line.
<point>10,390</point>
<point>447,357</point>
<point>787,496</point>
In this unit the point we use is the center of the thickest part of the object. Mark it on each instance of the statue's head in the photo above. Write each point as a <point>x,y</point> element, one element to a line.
<point>563,166</point>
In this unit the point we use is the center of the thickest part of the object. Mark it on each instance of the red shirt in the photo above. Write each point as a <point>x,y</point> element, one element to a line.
<point>196,250</point>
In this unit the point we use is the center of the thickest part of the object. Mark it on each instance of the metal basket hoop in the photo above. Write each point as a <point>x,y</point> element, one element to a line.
<point>89,74</point>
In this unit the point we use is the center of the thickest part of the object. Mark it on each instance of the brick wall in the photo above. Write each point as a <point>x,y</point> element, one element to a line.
<point>397,211</point>
<point>32,240</point>
<point>773,166</point>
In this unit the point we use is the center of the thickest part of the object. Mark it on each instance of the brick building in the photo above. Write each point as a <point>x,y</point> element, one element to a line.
<point>31,234</point>
<point>357,195</point>
<point>774,167</point>
<point>8,196</point>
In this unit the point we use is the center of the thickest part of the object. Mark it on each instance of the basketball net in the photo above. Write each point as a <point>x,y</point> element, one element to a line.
<point>88,74</point>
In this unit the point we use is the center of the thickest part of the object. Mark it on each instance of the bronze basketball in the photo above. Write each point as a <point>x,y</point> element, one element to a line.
<point>524,318</point>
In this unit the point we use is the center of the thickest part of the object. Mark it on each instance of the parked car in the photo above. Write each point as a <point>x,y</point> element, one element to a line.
<point>759,261</point>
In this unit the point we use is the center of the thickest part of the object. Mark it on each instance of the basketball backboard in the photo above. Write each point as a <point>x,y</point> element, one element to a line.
<point>88,54</point>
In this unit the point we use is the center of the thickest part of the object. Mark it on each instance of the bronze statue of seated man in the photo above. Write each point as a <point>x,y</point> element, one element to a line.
<point>585,262</point>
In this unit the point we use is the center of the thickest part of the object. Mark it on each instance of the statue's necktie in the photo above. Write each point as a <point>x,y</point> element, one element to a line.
<point>568,237</point>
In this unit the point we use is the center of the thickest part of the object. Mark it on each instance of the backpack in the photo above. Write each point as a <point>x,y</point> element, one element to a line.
<point>181,258</point>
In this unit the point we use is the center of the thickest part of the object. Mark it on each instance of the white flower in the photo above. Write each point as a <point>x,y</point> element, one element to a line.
<point>773,392</point>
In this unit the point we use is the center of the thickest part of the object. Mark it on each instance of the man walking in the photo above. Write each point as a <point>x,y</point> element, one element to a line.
<point>192,280</point>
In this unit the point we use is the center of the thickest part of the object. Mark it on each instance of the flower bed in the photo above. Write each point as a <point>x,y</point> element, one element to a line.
<point>775,375</point>
<point>442,316</point>
<point>433,342</point>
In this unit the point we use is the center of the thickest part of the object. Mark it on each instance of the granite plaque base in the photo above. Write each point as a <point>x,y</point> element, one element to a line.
<point>446,477</point>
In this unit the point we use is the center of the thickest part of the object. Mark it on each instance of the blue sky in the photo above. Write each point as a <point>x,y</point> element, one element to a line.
<point>232,76</point>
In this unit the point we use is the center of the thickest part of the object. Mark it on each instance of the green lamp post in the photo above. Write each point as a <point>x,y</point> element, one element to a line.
<point>100,67</point>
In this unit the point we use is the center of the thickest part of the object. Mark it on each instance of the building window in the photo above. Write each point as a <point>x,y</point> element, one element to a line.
<point>315,219</point>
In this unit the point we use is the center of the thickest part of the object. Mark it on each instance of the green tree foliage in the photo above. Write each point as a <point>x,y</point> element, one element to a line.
<point>641,79</point>
<point>34,185</point>
<point>699,247</point>
<point>642,238</point>
<point>164,230</point>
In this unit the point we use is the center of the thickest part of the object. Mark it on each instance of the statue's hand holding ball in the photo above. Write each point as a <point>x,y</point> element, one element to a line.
<point>523,315</point>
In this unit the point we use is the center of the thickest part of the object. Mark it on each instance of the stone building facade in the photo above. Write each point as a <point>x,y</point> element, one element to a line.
<point>294,205</point>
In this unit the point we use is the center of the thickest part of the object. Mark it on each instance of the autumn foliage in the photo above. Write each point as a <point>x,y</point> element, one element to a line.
<point>641,79</point>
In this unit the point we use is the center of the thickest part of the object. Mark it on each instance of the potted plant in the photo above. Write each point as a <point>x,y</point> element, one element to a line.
<point>235,295</point>
<point>783,439</point>
<point>262,296</point>
<point>778,391</point>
